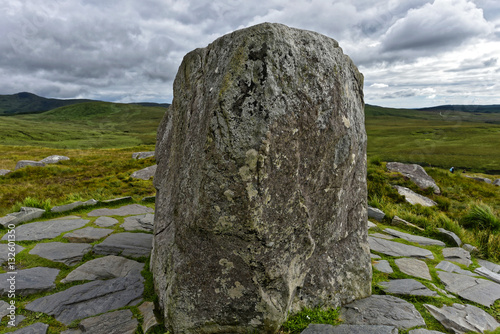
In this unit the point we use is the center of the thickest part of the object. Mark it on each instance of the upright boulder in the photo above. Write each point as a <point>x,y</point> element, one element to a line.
<point>261,183</point>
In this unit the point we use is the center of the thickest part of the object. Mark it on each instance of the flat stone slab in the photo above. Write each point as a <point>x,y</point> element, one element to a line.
<point>424,331</point>
<point>26,163</point>
<point>117,200</point>
<point>88,234</point>
<point>416,173</point>
<point>4,309</point>
<point>145,173</point>
<point>401,222</point>
<point>104,268</point>
<point>489,265</point>
<point>382,310</point>
<point>407,287</point>
<point>349,329</point>
<point>414,198</point>
<point>5,250</point>
<point>453,268</point>
<point>414,267</point>
<point>69,254</point>
<point>127,210</point>
<point>371,225</point>
<point>36,328</point>
<point>457,254</point>
<point>86,300</point>
<point>25,214</point>
<point>375,213</point>
<point>4,172</point>
<point>375,256</point>
<point>478,290</point>
<point>463,318</point>
<point>139,223</point>
<point>423,241</point>
<point>451,236</point>
<point>126,244</point>
<point>483,271</point>
<point>143,155</point>
<point>53,159</point>
<point>383,266</point>
<point>148,316</point>
<point>382,236</point>
<point>393,248</point>
<point>73,206</point>
<point>122,322</point>
<point>47,229</point>
<point>106,221</point>
<point>29,281</point>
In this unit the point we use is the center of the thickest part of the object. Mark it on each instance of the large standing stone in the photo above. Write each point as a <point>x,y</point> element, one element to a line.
<point>261,179</point>
<point>415,173</point>
<point>46,229</point>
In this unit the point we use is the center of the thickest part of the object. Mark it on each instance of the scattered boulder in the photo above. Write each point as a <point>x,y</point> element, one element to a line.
<point>148,316</point>
<point>53,159</point>
<point>423,241</point>
<point>81,301</point>
<point>74,205</point>
<point>143,155</point>
<point>383,266</point>
<point>25,214</point>
<point>414,198</point>
<point>489,265</point>
<point>371,225</point>
<point>104,268</point>
<point>452,237</point>
<point>471,249</point>
<point>260,124</point>
<point>122,322</point>
<point>127,210</point>
<point>407,287</point>
<point>375,213</point>
<point>349,329</point>
<point>127,244</point>
<point>139,223</point>
<point>87,234</point>
<point>480,179</point>
<point>488,274</point>
<point>69,254</point>
<point>145,173</point>
<point>496,182</point>
<point>478,290</point>
<point>457,254</point>
<point>453,268</point>
<point>29,281</point>
<point>393,248</point>
<point>46,229</point>
<point>36,328</point>
<point>401,222</point>
<point>415,173</point>
<point>463,318</point>
<point>382,310</point>
<point>414,267</point>
<point>4,172</point>
<point>25,163</point>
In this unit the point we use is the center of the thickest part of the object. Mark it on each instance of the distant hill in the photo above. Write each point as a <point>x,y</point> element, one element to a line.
<point>28,103</point>
<point>493,108</point>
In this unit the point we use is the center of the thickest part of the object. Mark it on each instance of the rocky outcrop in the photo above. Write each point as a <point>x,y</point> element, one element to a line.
<point>145,173</point>
<point>415,173</point>
<point>414,198</point>
<point>25,163</point>
<point>261,183</point>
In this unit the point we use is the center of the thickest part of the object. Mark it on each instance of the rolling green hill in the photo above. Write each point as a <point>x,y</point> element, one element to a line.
<point>22,103</point>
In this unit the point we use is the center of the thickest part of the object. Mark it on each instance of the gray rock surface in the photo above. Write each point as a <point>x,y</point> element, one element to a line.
<point>4,172</point>
<point>414,267</point>
<point>396,221</point>
<point>489,265</point>
<point>424,331</point>
<point>375,213</point>
<point>496,182</point>
<point>74,205</point>
<point>393,248</point>
<point>457,254</point>
<point>126,244</point>
<point>382,236</point>
<point>145,173</point>
<point>349,329</point>
<point>46,229</point>
<point>148,316</point>
<point>382,310</point>
<point>117,322</point>
<point>87,234</point>
<point>29,281</point>
<point>478,290</point>
<point>371,225</point>
<point>139,223</point>
<point>69,254</point>
<point>143,155</point>
<point>36,328</point>
<point>423,241</point>
<point>127,210</point>
<point>471,249</point>
<point>53,159</point>
<point>453,268</point>
<point>106,221</point>
<point>25,214</point>
<point>375,256</point>
<point>81,301</point>
<point>415,173</point>
<point>480,179</point>
<point>463,318</point>
<point>407,287</point>
<point>414,198</point>
<point>451,236</point>
<point>5,249</point>
<point>483,271</point>
<point>383,266</point>
<point>26,163</point>
<point>104,268</point>
<point>4,308</point>
<point>117,200</point>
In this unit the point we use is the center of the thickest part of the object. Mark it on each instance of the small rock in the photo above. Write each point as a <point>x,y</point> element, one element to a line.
<point>143,155</point>
<point>4,172</point>
<point>393,248</point>
<point>478,290</point>
<point>105,221</point>
<point>471,249</point>
<point>117,200</point>
<point>148,316</point>
<point>414,198</point>
<point>126,244</point>
<point>382,310</point>
<point>349,329</point>
<point>139,223</point>
<point>453,268</point>
<point>149,199</point>
<point>53,159</point>
<point>457,254</point>
<point>383,266</point>
<point>480,179</point>
<point>463,318</point>
<point>25,214</point>
<point>46,229</point>
<point>127,210</point>
<point>122,322</point>
<point>414,267</point>
<point>371,225</point>
<point>423,241</point>
<point>483,271</point>
<point>104,268</point>
<point>87,234</point>
<point>145,173</point>
<point>375,213</point>
<point>36,328</point>
<point>4,251</point>
<point>398,221</point>
<point>25,163</point>
<point>415,173</point>
<point>29,281</point>
<point>489,265</point>
<point>451,236</point>
<point>69,254</point>
<point>407,287</point>
<point>74,205</point>
<point>496,182</point>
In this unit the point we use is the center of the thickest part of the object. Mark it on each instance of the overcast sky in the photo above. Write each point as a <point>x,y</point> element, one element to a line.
<point>413,53</point>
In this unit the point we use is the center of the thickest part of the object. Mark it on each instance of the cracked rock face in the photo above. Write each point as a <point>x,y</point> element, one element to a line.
<point>261,183</point>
